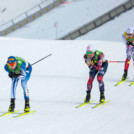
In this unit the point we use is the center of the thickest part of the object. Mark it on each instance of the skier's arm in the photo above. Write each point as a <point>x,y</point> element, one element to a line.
<point>10,74</point>
<point>124,39</point>
<point>127,43</point>
<point>100,62</point>
<point>85,58</point>
<point>6,68</point>
<point>22,75</point>
<point>87,61</point>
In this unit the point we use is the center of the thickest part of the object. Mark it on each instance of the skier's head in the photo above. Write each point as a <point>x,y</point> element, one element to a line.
<point>130,32</point>
<point>90,51</point>
<point>12,62</point>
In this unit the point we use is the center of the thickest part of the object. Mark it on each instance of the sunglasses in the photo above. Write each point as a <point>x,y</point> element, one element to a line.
<point>11,64</point>
<point>89,52</point>
<point>130,34</point>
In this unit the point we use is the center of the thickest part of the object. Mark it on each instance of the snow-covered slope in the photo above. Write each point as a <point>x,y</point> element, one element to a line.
<point>67,18</point>
<point>10,9</point>
<point>112,30</point>
<point>58,85</point>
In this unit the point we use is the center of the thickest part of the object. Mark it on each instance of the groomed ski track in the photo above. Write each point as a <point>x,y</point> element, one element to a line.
<point>58,85</point>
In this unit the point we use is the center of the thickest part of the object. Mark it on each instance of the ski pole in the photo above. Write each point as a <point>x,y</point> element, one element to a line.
<point>39,60</point>
<point>116,61</point>
<point>110,61</point>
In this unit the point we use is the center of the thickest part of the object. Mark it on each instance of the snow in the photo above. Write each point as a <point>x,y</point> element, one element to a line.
<point>14,8</point>
<point>58,85</point>
<point>68,18</point>
<point>112,30</point>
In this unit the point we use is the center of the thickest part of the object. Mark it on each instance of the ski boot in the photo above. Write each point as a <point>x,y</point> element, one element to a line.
<point>27,106</point>
<point>102,97</point>
<point>12,106</point>
<point>124,75</point>
<point>87,99</point>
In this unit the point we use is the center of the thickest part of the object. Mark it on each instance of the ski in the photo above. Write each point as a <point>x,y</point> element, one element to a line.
<point>121,82</point>
<point>25,113</point>
<point>7,113</point>
<point>132,83</point>
<point>100,104</point>
<point>83,104</point>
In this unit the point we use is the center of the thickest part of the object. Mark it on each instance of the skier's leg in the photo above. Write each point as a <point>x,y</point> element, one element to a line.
<point>26,95</point>
<point>13,94</point>
<point>92,74</point>
<point>13,87</point>
<point>25,89</point>
<point>24,83</point>
<point>100,76</point>
<point>133,60</point>
<point>129,52</point>
<point>100,81</point>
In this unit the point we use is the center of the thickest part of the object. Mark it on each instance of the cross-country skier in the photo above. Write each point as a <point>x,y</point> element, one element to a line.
<point>17,69</point>
<point>98,66</point>
<point>128,38</point>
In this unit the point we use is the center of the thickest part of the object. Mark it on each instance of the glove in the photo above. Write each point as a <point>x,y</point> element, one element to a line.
<point>130,43</point>
<point>11,74</point>
<point>16,75</point>
<point>92,67</point>
<point>96,67</point>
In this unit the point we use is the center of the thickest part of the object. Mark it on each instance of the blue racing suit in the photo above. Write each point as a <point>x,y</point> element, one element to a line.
<point>25,72</point>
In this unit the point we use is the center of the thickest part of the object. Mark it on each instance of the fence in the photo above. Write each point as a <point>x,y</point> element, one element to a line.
<point>99,21</point>
<point>28,17</point>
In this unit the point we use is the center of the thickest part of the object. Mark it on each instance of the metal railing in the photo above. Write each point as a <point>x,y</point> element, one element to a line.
<point>98,21</point>
<point>28,17</point>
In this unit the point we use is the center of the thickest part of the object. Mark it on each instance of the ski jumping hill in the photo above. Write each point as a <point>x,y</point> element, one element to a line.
<point>58,85</point>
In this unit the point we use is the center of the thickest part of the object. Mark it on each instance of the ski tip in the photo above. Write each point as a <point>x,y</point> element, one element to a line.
<point>101,103</point>
<point>25,113</point>
<point>84,104</point>
<point>8,113</point>
<point>132,83</point>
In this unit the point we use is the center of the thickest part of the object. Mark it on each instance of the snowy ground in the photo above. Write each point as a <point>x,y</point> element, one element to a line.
<point>10,9</point>
<point>58,85</point>
<point>67,18</point>
<point>112,30</point>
